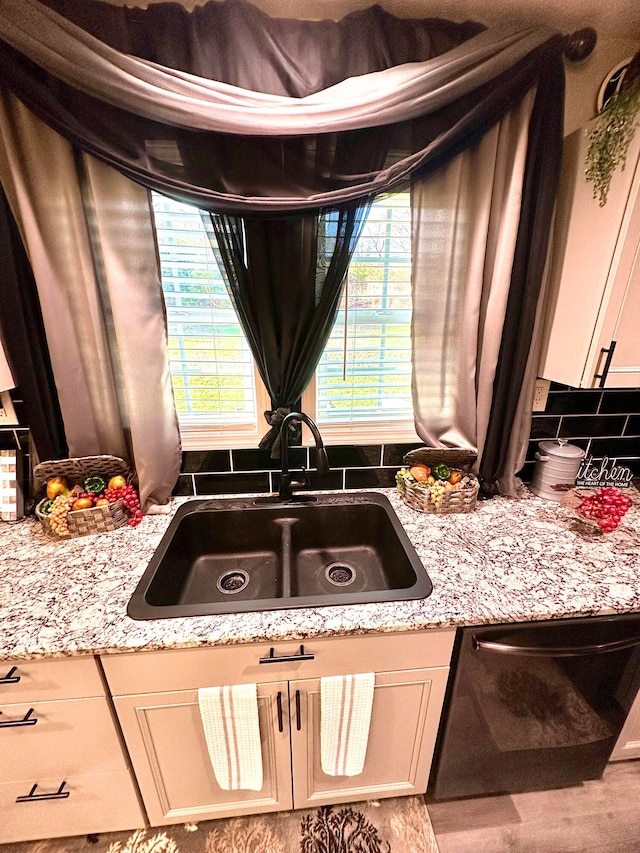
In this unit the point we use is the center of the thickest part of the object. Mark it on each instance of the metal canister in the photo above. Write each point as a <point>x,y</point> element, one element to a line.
<point>557,465</point>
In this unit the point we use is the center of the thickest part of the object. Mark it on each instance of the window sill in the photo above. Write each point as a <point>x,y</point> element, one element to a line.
<point>235,438</point>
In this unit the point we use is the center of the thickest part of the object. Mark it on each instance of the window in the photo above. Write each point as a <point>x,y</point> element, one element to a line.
<point>363,380</point>
<point>212,368</point>
<point>362,388</point>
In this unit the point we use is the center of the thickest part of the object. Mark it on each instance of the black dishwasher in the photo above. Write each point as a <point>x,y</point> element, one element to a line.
<point>532,706</point>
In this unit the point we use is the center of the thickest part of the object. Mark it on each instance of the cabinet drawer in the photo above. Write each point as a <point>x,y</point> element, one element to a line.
<point>152,672</point>
<point>62,678</point>
<point>103,803</point>
<point>68,738</point>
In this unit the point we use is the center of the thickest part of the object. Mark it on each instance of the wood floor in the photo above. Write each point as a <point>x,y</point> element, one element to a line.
<point>596,817</point>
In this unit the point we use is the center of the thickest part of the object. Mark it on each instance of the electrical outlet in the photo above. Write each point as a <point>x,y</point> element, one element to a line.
<point>540,395</point>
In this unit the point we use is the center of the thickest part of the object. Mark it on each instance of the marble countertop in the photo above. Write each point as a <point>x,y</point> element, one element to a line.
<point>509,560</point>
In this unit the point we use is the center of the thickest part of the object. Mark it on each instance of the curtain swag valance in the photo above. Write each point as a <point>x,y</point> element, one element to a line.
<point>228,148</point>
<point>176,98</point>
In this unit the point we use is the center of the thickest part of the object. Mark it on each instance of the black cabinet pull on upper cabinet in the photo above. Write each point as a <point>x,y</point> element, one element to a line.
<point>607,363</point>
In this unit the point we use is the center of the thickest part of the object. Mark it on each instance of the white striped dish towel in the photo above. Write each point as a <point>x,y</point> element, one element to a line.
<point>345,714</point>
<point>231,728</point>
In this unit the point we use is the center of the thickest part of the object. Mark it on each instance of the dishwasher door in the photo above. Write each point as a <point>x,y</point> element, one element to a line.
<point>533,706</point>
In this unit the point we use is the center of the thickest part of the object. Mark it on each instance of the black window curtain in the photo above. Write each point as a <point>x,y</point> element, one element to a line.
<point>25,342</point>
<point>284,276</point>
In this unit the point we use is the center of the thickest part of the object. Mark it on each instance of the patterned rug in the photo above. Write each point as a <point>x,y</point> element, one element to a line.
<point>399,825</point>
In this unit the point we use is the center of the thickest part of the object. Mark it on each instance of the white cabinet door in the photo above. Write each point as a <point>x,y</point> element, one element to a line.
<point>167,745</point>
<point>404,723</point>
<point>594,293</point>
<point>620,323</point>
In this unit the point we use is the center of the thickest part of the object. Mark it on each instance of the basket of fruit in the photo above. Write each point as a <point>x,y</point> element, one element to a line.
<point>438,480</point>
<point>88,494</point>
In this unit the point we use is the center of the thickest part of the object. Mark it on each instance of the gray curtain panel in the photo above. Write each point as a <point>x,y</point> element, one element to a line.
<point>465,225</point>
<point>6,377</point>
<point>22,331</point>
<point>91,244</point>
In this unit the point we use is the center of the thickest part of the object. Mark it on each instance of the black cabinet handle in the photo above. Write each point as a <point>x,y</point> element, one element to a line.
<point>31,797</point>
<point>298,716</point>
<point>607,363</point>
<point>10,678</point>
<point>273,658</point>
<point>27,720</point>
<point>280,717</point>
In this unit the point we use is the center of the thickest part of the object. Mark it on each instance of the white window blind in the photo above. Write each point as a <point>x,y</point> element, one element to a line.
<point>364,374</point>
<point>211,364</point>
<point>363,380</point>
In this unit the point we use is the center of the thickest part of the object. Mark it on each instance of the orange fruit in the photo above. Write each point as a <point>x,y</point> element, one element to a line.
<point>82,503</point>
<point>420,472</point>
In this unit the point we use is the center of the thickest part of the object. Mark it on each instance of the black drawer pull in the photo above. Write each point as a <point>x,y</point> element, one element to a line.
<point>60,794</point>
<point>10,678</point>
<point>27,720</point>
<point>273,658</point>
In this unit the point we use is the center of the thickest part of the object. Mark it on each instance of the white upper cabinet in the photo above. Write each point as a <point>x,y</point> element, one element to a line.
<point>594,295</point>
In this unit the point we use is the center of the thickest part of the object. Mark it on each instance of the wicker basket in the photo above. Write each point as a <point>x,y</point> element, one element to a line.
<point>457,459</point>
<point>97,519</point>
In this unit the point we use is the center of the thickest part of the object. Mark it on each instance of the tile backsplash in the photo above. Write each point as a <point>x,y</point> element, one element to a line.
<point>605,423</point>
<point>235,471</point>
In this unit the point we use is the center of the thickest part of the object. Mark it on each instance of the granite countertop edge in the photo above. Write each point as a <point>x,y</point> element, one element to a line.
<point>511,560</point>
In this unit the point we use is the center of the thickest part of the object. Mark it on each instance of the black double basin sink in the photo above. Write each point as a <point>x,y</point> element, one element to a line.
<point>243,555</point>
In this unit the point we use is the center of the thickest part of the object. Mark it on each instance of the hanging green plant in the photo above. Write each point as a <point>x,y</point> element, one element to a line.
<point>612,132</point>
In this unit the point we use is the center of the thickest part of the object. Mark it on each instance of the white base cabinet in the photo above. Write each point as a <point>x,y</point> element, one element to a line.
<point>62,767</point>
<point>155,695</point>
